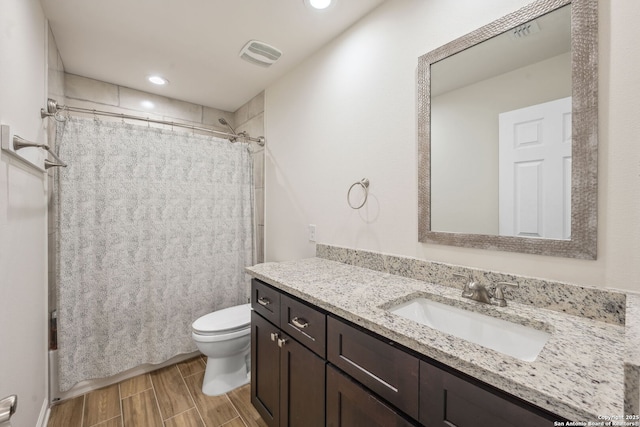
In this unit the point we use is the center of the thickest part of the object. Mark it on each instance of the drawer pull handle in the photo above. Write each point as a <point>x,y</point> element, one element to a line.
<point>370,374</point>
<point>299,322</point>
<point>264,301</point>
<point>274,336</point>
<point>281,342</point>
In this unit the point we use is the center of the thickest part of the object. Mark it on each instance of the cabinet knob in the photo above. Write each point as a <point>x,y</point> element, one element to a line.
<point>274,336</point>
<point>281,342</point>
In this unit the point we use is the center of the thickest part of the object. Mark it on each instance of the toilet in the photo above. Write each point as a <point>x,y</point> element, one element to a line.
<point>224,336</point>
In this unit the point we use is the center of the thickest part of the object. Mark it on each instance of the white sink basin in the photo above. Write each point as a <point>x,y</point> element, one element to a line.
<point>513,339</point>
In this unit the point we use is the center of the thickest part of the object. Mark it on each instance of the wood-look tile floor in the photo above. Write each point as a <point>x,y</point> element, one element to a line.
<point>168,397</point>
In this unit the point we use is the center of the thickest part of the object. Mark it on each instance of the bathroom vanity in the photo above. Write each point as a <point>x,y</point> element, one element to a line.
<point>304,358</point>
<point>326,350</point>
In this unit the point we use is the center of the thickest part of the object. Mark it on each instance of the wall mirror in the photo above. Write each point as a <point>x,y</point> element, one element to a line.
<point>507,134</point>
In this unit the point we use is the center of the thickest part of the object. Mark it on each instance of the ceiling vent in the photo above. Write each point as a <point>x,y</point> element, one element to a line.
<point>260,53</point>
<point>525,30</point>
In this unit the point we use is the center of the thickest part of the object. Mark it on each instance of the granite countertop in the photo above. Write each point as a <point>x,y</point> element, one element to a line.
<point>579,374</point>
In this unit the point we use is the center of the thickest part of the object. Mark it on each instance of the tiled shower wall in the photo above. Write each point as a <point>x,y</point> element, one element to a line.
<point>250,118</point>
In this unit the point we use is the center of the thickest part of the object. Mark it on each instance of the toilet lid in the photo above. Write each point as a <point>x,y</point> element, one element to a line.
<point>225,320</point>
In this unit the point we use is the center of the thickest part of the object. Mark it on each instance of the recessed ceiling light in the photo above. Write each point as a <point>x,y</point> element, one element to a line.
<point>318,4</point>
<point>158,80</point>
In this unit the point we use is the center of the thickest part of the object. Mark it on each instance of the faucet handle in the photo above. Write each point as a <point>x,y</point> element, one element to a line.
<point>498,294</point>
<point>466,292</point>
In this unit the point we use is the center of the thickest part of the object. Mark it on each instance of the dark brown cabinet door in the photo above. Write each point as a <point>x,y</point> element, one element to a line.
<point>287,379</point>
<point>302,382</point>
<point>265,370</point>
<point>380,366</point>
<point>350,405</point>
<point>447,400</point>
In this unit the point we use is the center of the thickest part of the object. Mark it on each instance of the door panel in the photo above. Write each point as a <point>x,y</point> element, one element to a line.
<point>535,171</point>
<point>350,405</point>
<point>265,370</point>
<point>302,395</point>
<point>23,288</point>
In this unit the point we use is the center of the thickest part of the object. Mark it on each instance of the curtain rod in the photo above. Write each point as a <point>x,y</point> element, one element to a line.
<point>53,109</point>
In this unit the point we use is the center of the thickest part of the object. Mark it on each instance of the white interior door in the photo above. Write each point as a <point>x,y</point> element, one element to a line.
<point>535,170</point>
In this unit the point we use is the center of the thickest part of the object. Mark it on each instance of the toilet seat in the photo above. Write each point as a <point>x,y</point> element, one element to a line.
<point>223,322</point>
<point>224,336</point>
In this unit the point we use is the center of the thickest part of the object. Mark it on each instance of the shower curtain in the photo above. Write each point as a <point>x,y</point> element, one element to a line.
<point>154,230</point>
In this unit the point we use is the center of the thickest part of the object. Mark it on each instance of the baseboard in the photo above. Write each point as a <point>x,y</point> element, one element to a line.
<point>45,411</point>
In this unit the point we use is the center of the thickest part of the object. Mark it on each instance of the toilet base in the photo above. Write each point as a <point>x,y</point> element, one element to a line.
<point>224,374</point>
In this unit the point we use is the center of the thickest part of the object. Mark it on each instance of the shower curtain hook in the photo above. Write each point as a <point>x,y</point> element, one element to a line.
<point>58,115</point>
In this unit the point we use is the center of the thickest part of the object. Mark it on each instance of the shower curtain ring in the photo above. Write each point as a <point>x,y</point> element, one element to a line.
<point>58,117</point>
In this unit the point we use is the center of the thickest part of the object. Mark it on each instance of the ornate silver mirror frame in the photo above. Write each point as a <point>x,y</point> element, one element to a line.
<point>584,64</point>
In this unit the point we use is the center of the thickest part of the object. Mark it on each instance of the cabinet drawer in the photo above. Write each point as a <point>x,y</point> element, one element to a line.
<point>304,323</point>
<point>447,400</point>
<point>266,301</point>
<point>386,370</point>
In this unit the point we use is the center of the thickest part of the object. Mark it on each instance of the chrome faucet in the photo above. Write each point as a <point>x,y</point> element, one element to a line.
<point>479,292</point>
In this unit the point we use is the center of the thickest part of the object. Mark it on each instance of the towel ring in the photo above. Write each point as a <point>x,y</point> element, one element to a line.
<point>364,183</point>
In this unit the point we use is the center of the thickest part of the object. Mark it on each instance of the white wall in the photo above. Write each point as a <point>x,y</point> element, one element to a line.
<point>23,213</point>
<point>350,112</point>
